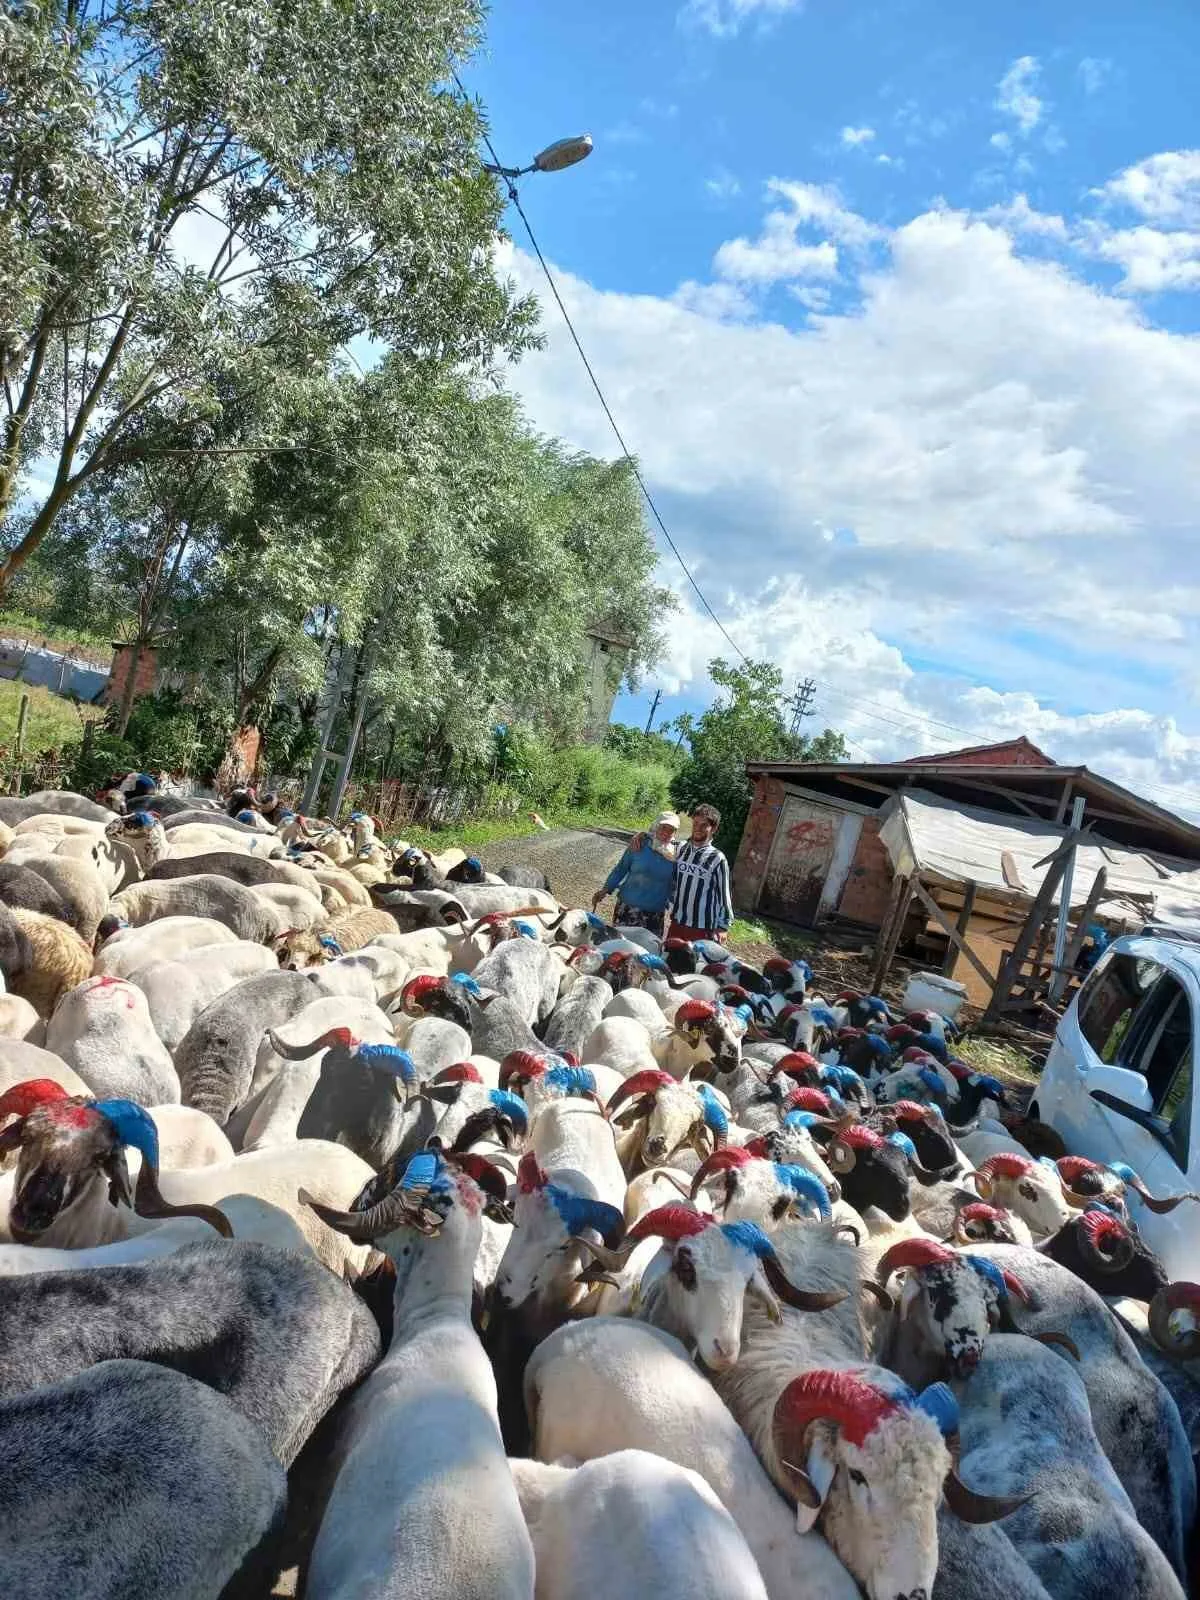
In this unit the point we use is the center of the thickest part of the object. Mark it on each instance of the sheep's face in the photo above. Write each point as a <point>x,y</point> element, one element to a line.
<point>64,1149</point>
<point>880,1512</point>
<point>541,1261</point>
<point>879,1177</point>
<point>795,1146</point>
<point>672,1121</point>
<point>945,1314</point>
<point>703,1283</point>
<point>1037,1198</point>
<point>301,951</point>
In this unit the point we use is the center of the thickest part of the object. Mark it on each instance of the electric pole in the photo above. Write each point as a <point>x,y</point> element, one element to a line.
<point>800,704</point>
<point>653,710</point>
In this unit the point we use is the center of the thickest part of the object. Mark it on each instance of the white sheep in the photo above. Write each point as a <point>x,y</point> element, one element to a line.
<point>102,1028</point>
<point>632,1523</point>
<point>177,991</point>
<point>608,1384</point>
<point>19,1020</point>
<point>165,939</point>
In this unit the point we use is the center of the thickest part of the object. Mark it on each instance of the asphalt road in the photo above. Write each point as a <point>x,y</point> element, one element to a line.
<point>576,861</point>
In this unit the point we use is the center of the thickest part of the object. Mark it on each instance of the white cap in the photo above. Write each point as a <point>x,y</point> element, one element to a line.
<point>667,818</point>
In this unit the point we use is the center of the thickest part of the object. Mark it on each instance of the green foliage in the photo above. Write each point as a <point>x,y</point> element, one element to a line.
<point>165,734</point>
<point>746,723</point>
<point>635,744</point>
<point>52,720</point>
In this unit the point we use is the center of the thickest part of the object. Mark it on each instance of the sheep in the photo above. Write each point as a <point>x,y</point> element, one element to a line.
<point>22,1061</point>
<point>202,896</point>
<point>103,1029</point>
<point>253,1221</point>
<point>57,802</point>
<point>419,1449</point>
<point>343,933</point>
<point>177,991</point>
<point>126,949</point>
<point>18,1020</point>
<point>1136,1421</point>
<point>188,1138</point>
<point>206,838</point>
<point>1032,1192</point>
<point>623,1043</point>
<point>58,960</point>
<point>215,1058</point>
<point>200,1490</point>
<point>83,886</point>
<point>569,1183</point>
<point>606,1384</point>
<point>354,1100</point>
<point>576,1016</point>
<point>16,952</point>
<point>297,909</point>
<point>250,871</point>
<point>632,1524</point>
<point>370,973</point>
<point>665,1116</point>
<point>696,1285</point>
<point>822,1418</point>
<point>206,819</point>
<point>23,886</point>
<point>873,1170</point>
<point>274,1332</point>
<point>525,972</point>
<point>72,1184</point>
<point>1026,1427</point>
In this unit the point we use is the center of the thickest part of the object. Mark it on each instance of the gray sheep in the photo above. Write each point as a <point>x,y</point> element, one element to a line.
<point>274,1332</point>
<point>577,1016</point>
<point>205,895</point>
<point>215,1058</point>
<point>130,1479</point>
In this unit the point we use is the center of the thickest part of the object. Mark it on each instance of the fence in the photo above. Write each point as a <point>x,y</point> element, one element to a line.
<point>397,803</point>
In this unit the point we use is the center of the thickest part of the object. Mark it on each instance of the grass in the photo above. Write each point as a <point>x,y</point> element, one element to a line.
<point>53,720</point>
<point>790,942</point>
<point>91,646</point>
<point>997,1057</point>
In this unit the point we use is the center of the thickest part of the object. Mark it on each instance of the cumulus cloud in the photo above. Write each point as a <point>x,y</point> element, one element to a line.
<point>1150,259</point>
<point>1164,188</point>
<point>1016,96</point>
<point>966,500</point>
<point>724,18</point>
<point>857,136</point>
<point>1094,73</point>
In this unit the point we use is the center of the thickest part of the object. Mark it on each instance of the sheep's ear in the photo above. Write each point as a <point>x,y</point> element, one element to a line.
<point>120,1190</point>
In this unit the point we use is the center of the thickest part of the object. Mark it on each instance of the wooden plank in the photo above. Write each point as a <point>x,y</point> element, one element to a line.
<point>955,938</point>
<point>1095,895</point>
<point>893,923</point>
<point>1033,923</point>
<point>960,928</point>
<point>1008,867</point>
<point>1064,797</point>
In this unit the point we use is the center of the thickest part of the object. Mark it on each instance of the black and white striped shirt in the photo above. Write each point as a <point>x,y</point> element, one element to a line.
<point>700,896</point>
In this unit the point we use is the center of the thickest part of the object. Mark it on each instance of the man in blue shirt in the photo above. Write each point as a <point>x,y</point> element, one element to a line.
<point>642,879</point>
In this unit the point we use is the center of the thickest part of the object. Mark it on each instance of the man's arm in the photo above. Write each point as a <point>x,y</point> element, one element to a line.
<point>617,876</point>
<point>721,895</point>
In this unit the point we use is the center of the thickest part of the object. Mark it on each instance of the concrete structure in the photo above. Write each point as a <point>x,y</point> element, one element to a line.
<point>812,847</point>
<point>608,655</point>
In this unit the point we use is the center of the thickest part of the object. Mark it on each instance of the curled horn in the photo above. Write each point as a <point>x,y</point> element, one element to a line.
<point>493,917</point>
<point>851,1403</point>
<point>1184,1345</point>
<point>671,1223</point>
<point>1162,1206</point>
<point>912,1253</point>
<point>722,1160</point>
<point>640,1083</point>
<point>800,1299</point>
<point>522,1064</point>
<point>693,1014</point>
<point>363,1227</point>
<point>19,1100</point>
<point>1105,1241</point>
<point>970,1506</point>
<point>333,1039</point>
<point>148,1201</point>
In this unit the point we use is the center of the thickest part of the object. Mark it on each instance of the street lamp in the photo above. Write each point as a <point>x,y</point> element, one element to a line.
<point>554,158</point>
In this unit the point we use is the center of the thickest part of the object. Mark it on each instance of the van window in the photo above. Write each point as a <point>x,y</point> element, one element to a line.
<point>1108,1000</point>
<point>1159,1044</point>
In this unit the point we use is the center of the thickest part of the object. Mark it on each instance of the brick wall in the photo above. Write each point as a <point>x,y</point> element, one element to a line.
<point>144,678</point>
<point>869,882</point>
<point>757,837</point>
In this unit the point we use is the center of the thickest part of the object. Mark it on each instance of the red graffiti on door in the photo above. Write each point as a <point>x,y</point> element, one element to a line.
<point>809,836</point>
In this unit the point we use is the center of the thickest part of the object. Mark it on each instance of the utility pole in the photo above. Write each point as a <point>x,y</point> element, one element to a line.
<point>801,703</point>
<point>653,710</point>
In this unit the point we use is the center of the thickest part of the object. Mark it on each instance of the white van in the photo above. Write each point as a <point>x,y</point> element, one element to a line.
<point>1118,1081</point>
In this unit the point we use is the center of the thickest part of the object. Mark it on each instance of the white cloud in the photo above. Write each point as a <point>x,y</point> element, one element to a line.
<point>1165,187</point>
<point>723,185</point>
<point>1094,73</point>
<point>779,254</point>
<point>625,132</point>
<point>1150,259</point>
<point>1015,95</point>
<point>724,18</point>
<point>857,136</point>
<point>1001,141</point>
<point>987,463</point>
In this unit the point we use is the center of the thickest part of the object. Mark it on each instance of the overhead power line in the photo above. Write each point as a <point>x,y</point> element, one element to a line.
<point>515,197</point>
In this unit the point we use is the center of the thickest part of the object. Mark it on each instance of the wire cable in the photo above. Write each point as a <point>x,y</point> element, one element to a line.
<point>515,197</point>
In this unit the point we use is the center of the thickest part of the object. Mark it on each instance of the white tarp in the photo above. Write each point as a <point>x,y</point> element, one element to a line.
<point>955,844</point>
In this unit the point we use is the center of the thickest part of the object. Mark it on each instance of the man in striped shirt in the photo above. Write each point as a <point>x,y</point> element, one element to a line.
<point>700,903</point>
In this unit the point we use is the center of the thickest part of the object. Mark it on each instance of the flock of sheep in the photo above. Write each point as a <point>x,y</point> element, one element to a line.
<point>586,1267</point>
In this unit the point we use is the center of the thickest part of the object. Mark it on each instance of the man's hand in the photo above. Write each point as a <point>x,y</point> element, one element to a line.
<point>600,894</point>
<point>637,841</point>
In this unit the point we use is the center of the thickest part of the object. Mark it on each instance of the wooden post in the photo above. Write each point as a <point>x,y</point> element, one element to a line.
<point>1010,971</point>
<point>889,937</point>
<point>960,928</point>
<point>955,938</point>
<point>22,720</point>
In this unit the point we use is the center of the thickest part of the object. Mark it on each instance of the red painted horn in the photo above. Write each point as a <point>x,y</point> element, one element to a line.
<point>692,1013</point>
<point>530,1175</point>
<point>673,1222</point>
<point>521,1064</point>
<point>460,1072</point>
<point>854,1405</point>
<point>640,1083</point>
<point>914,1253</point>
<point>720,1161</point>
<point>22,1098</point>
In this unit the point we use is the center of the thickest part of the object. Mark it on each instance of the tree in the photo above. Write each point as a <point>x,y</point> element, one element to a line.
<point>312,159</point>
<point>635,744</point>
<point>745,724</point>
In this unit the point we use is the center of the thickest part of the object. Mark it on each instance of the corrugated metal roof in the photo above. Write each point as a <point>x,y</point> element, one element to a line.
<point>955,844</point>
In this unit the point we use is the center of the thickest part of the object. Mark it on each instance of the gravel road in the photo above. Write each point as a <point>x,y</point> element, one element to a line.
<point>576,861</point>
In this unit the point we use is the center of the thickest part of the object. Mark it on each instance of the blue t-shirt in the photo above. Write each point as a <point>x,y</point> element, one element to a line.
<point>643,879</point>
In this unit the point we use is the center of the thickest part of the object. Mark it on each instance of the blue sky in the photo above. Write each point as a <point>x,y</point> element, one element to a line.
<point>898,307</point>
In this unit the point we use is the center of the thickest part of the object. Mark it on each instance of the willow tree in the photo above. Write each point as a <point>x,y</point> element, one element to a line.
<point>185,186</point>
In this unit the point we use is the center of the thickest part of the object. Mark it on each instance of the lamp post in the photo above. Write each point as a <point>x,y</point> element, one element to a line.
<point>556,157</point>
